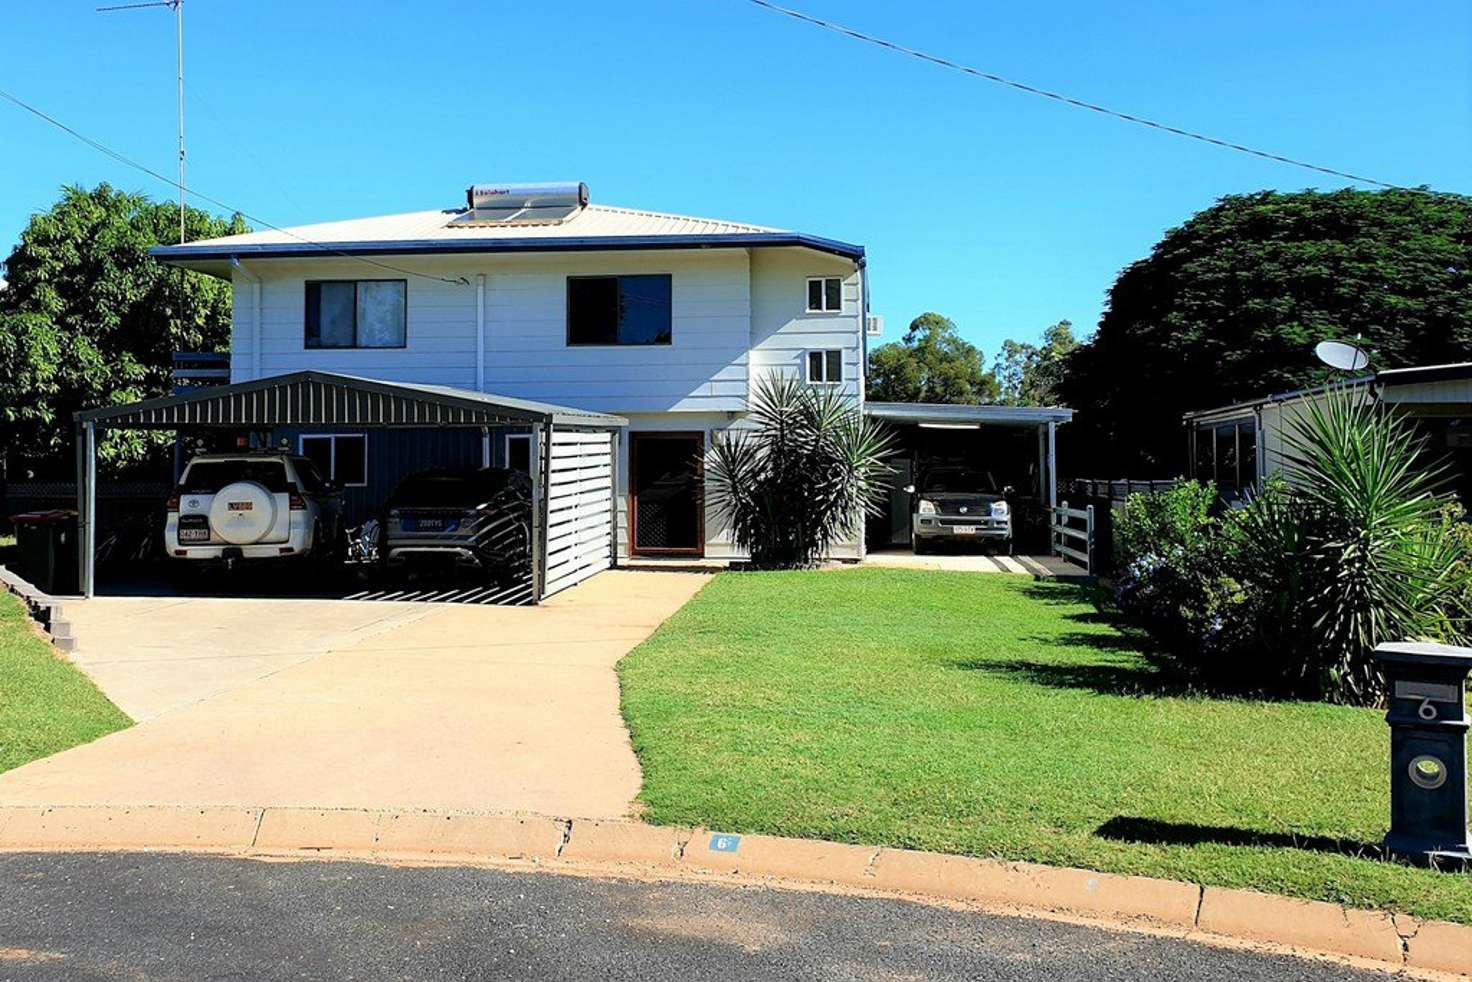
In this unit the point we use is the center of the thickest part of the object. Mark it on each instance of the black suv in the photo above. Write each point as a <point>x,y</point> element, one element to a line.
<point>467,518</point>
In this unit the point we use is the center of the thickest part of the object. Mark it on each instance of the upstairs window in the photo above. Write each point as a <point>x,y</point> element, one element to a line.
<point>356,314</point>
<point>618,310</point>
<point>825,295</point>
<point>825,367</point>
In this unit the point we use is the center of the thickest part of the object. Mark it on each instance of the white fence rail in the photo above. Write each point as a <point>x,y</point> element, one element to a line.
<point>1071,531</point>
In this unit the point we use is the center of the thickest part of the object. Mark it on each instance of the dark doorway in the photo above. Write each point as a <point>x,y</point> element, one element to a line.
<point>666,507</point>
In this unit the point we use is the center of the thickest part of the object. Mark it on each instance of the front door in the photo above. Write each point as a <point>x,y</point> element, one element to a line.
<point>666,507</point>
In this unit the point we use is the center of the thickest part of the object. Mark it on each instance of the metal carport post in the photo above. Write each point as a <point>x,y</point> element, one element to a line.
<point>321,398</point>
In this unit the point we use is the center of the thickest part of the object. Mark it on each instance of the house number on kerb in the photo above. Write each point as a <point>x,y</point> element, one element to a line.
<point>725,843</point>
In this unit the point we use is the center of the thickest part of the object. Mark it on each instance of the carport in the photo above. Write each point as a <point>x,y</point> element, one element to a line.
<point>1019,443</point>
<point>573,452</point>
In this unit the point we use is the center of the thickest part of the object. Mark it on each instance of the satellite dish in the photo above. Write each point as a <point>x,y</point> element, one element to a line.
<point>1342,355</point>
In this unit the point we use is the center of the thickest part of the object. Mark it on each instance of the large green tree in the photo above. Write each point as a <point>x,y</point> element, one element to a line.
<point>1029,374</point>
<point>932,363</point>
<point>89,319</point>
<point>1230,305</point>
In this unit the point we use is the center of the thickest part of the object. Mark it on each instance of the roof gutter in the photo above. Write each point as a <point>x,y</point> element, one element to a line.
<point>185,253</point>
<point>1253,405</point>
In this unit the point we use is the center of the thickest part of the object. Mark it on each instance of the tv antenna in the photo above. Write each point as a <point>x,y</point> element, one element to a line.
<point>177,6</point>
<point>1342,355</point>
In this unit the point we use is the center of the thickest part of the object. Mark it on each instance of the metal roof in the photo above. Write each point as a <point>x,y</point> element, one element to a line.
<point>1413,375</point>
<point>934,412</point>
<point>322,398</point>
<point>1238,408</point>
<point>594,227</point>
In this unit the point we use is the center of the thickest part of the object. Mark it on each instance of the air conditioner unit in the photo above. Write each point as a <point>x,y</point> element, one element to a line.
<point>875,326</point>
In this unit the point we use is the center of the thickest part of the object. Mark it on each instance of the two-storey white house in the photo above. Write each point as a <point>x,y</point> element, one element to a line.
<point>532,292</point>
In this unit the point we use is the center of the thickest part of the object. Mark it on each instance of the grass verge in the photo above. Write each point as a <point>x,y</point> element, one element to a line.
<point>998,716</point>
<point>46,704</point>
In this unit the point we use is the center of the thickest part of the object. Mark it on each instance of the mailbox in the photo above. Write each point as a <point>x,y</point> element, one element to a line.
<point>1428,752</point>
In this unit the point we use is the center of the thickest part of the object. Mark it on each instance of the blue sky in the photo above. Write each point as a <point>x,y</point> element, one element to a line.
<point>1001,210</point>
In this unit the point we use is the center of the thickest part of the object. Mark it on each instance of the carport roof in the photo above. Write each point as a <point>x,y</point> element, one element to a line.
<point>933,412</point>
<point>321,398</point>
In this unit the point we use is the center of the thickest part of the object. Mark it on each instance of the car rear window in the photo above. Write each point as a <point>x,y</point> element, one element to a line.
<point>209,476</point>
<point>454,489</point>
<point>435,491</point>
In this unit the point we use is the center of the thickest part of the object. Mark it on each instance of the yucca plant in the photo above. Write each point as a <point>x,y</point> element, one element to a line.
<point>800,475</point>
<point>1363,554</point>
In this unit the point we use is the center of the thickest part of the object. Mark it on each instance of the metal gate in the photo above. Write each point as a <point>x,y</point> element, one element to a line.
<point>580,503</point>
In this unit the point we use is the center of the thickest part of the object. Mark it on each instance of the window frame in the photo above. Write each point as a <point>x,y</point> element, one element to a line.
<point>332,459</point>
<point>823,292</point>
<point>807,366</point>
<point>506,450</point>
<point>567,312</point>
<point>1224,438</point>
<point>356,345</point>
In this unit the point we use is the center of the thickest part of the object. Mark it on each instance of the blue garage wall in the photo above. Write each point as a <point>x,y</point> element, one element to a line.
<point>394,455</point>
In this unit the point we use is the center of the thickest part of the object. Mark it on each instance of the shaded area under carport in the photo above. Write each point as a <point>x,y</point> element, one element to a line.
<point>573,454</point>
<point>1018,444</point>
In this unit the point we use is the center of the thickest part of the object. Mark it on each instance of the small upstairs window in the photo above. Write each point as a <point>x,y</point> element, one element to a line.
<point>825,367</point>
<point>356,314</point>
<point>825,295</point>
<point>618,310</point>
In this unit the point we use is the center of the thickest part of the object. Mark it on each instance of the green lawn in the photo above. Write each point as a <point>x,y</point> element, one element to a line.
<point>998,716</point>
<point>46,705</point>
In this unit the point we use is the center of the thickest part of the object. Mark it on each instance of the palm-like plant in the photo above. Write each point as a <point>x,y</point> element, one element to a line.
<point>800,475</point>
<point>1361,543</point>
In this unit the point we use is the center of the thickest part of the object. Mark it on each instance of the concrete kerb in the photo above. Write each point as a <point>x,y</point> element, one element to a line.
<point>1211,915</point>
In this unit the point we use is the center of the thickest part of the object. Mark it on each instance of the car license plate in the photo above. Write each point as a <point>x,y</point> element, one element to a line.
<point>241,506</point>
<point>965,530</point>
<point>194,535</point>
<point>429,524</point>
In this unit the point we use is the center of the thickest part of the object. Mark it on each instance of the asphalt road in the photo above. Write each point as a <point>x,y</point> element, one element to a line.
<point>82,917</point>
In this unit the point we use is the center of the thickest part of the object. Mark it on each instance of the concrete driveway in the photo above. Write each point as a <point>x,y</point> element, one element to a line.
<point>340,704</point>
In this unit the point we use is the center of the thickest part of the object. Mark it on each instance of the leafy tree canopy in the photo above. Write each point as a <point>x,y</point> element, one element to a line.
<point>89,319</point>
<point>1229,306</point>
<point>932,363</point>
<point>1029,374</point>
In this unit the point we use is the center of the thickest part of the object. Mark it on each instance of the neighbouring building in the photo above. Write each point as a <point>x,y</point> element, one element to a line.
<point>1241,445</point>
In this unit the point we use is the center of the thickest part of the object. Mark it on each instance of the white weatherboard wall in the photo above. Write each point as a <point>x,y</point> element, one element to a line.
<point>579,508</point>
<point>782,330</point>
<point>526,350</point>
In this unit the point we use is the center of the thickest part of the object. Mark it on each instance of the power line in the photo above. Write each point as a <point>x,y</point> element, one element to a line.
<point>128,161</point>
<point>1069,100</point>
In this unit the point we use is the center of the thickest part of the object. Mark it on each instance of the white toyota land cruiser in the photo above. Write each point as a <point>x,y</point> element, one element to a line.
<point>253,506</point>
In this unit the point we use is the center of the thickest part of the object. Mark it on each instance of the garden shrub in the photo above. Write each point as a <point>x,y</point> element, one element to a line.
<point>1176,577</point>
<point>1290,593</point>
